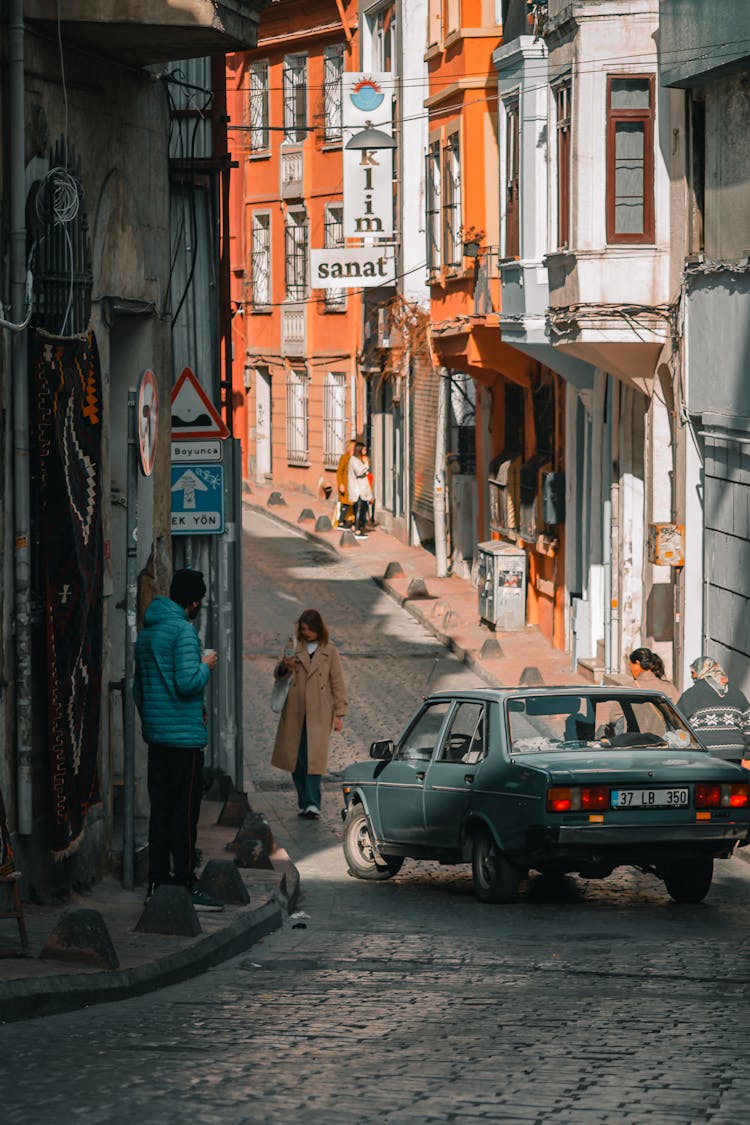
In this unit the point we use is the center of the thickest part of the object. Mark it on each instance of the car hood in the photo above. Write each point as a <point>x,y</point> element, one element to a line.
<point>627,764</point>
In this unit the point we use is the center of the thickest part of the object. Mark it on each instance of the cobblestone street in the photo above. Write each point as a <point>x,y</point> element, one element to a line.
<point>409,1001</point>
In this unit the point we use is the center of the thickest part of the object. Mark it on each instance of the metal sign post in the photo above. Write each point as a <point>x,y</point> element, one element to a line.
<point>131,582</point>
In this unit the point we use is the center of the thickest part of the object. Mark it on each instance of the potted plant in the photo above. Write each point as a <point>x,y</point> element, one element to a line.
<point>472,239</point>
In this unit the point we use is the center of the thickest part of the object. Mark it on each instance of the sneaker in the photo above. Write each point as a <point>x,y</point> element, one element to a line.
<point>150,891</point>
<point>360,534</point>
<point>312,812</point>
<point>204,902</point>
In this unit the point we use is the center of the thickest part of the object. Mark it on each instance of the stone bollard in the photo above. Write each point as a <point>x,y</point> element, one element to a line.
<point>347,539</point>
<point>393,569</point>
<point>323,523</point>
<point>170,910</point>
<point>417,589</point>
<point>275,500</point>
<point>491,650</point>
<point>222,880</point>
<point>234,810</point>
<point>81,935</point>
<point>306,514</point>
<point>531,677</point>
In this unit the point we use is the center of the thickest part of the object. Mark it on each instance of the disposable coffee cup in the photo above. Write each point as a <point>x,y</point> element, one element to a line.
<point>209,651</point>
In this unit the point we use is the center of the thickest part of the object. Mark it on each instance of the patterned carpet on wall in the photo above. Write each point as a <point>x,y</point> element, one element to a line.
<point>66,385</point>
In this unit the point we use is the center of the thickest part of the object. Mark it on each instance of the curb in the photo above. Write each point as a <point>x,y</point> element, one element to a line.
<point>26,999</point>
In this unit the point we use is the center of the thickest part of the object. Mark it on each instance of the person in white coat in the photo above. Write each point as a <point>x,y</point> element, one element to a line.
<point>358,489</point>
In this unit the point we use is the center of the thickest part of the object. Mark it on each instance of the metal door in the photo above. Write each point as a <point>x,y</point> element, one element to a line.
<point>401,783</point>
<point>263,433</point>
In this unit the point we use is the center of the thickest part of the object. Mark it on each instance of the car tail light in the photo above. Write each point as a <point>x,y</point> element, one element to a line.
<point>735,796</point>
<point>560,800</point>
<point>595,798</point>
<point>590,798</point>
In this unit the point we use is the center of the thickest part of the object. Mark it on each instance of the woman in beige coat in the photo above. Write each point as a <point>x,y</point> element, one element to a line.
<point>647,669</point>
<point>315,705</point>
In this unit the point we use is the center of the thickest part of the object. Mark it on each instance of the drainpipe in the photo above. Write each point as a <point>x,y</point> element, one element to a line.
<point>607,526</point>
<point>20,393</point>
<point>439,501</point>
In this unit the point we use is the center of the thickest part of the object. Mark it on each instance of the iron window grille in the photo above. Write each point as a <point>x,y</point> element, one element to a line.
<point>294,83</point>
<point>432,181</point>
<point>261,260</point>
<point>333,69</point>
<point>296,246</point>
<point>333,236</point>
<point>259,111</point>
<point>334,418</point>
<point>297,389</point>
<point>452,243</point>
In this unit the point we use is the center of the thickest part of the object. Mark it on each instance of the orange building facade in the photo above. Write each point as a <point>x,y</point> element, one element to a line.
<point>518,405</point>
<point>298,392</point>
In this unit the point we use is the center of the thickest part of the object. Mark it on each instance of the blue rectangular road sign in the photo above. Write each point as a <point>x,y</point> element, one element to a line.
<point>197,499</point>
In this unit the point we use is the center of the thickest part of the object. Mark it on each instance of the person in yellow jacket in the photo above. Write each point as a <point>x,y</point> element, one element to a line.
<point>345,512</point>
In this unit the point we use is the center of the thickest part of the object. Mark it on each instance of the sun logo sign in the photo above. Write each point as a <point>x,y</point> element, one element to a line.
<point>367,95</point>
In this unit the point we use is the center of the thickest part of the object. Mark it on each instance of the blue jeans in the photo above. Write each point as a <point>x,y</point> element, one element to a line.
<point>306,784</point>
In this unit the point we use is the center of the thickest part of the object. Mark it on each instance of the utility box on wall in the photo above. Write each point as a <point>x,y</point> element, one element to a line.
<point>502,584</point>
<point>666,544</point>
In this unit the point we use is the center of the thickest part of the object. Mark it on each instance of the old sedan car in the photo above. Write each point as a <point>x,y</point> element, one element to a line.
<point>554,779</point>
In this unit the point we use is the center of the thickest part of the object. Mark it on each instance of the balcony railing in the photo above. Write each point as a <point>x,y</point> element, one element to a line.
<point>292,171</point>
<point>294,329</point>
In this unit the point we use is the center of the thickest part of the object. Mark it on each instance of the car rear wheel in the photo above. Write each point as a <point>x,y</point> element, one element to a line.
<point>359,852</point>
<point>496,879</point>
<point>689,880</point>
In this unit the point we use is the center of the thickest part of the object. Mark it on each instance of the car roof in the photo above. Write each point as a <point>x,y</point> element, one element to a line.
<point>594,690</point>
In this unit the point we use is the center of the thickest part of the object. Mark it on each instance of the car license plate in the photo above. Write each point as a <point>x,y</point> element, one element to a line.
<point>650,798</point>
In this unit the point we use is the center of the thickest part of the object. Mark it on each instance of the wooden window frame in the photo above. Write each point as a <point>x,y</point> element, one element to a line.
<point>563,93</point>
<point>512,240</point>
<point>333,237</point>
<point>298,416</point>
<point>452,202</point>
<point>648,118</point>
<point>432,201</point>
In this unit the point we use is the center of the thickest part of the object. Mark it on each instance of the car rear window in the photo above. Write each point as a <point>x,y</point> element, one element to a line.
<point>548,722</point>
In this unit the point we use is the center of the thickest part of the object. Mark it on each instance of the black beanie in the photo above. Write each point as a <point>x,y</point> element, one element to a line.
<point>187,587</point>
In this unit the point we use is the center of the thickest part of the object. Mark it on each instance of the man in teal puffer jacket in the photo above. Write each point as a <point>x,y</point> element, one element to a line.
<point>170,678</point>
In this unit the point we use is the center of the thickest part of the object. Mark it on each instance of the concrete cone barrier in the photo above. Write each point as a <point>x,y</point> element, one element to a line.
<point>81,935</point>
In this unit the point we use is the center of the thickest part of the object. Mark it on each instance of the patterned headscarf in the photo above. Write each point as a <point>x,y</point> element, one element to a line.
<point>704,668</point>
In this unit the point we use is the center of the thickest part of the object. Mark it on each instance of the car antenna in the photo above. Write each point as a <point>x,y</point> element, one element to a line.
<point>432,673</point>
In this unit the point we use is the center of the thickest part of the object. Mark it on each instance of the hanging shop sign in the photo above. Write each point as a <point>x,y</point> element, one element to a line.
<point>352,267</point>
<point>367,119</point>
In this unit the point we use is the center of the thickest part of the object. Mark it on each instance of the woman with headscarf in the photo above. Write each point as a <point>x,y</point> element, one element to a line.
<point>718,713</point>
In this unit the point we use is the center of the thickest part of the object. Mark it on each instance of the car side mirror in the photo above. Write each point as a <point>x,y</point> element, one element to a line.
<point>382,750</point>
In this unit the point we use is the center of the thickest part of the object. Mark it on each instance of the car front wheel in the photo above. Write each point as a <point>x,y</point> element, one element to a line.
<point>689,880</point>
<point>496,879</point>
<point>359,852</point>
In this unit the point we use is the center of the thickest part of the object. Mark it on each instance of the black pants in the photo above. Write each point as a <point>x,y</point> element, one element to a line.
<point>360,515</point>
<point>175,788</point>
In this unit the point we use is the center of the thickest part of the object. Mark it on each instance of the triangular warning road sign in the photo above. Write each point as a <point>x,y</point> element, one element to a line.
<point>193,413</point>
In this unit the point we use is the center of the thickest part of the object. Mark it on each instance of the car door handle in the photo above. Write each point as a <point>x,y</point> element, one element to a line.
<point>420,775</point>
<point>469,777</point>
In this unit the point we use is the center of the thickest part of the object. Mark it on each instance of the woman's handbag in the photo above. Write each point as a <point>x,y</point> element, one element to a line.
<point>279,692</point>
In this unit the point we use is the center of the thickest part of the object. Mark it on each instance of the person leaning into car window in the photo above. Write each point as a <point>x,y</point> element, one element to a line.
<point>647,669</point>
<point>315,705</point>
<point>717,711</point>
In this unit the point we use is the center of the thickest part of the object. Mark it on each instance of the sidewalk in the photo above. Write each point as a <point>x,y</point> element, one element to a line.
<point>30,986</point>
<point>450,611</point>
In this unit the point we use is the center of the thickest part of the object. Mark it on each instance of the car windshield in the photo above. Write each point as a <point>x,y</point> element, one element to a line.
<point>549,722</point>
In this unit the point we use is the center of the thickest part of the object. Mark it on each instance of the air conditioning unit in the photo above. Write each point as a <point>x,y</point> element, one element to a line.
<point>384,329</point>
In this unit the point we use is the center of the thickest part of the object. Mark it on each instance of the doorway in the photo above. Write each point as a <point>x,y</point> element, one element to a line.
<point>263,425</point>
